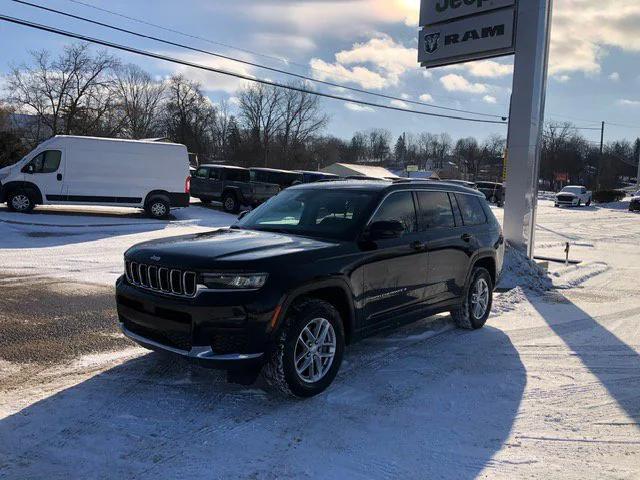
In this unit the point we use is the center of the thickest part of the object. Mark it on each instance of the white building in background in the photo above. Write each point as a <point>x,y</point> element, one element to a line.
<point>353,170</point>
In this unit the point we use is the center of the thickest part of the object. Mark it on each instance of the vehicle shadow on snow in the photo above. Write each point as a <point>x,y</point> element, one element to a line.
<point>614,363</point>
<point>404,406</point>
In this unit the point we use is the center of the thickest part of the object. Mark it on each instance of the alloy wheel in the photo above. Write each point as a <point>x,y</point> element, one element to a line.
<point>315,350</point>
<point>158,209</point>
<point>20,202</point>
<point>480,299</point>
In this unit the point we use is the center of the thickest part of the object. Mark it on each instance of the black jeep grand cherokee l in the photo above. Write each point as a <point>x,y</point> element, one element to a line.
<point>313,269</point>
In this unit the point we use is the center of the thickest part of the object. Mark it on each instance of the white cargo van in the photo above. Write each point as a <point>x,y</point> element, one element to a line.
<point>68,170</point>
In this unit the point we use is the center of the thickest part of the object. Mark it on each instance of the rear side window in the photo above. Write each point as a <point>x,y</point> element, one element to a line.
<point>237,175</point>
<point>435,210</point>
<point>47,162</point>
<point>471,210</point>
<point>214,174</point>
<point>398,206</point>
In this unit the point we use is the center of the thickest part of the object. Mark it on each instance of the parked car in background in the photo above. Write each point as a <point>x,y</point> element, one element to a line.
<point>464,183</point>
<point>493,192</point>
<point>72,170</point>
<point>230,185</point>
<point>573,196</point>
<point>319,266</point>
<point>310,177</point>
<point>282,178</point>
<point>634,205</point>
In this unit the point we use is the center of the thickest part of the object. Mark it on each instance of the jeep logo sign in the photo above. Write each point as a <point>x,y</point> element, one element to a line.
<point>474,38</point>
<point>436,11</point>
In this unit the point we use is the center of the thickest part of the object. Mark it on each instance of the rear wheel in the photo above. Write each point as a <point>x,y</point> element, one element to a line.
<point>230,203</point>
<point>20,201</point>
<point>588,204</point>
<point>476,305</point>
<point>158,207</point>
<point>309,352</point>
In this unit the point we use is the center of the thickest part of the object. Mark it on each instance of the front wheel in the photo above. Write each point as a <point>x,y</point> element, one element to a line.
<point>20,202</point>
<point>309,351</point>
<point>588,204</point>
<point>230,203</point>
<point>476,305</point>
<point>158,208</point>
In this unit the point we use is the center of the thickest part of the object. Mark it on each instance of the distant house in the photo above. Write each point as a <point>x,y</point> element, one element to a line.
<point>354,170</point>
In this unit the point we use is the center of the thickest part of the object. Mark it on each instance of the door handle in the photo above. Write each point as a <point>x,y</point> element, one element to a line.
<point>467,237</point>
<point>419,246</point>
<point>59,177</point>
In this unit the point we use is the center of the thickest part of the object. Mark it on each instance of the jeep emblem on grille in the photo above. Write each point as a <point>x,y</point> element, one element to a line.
<point>155,258</point>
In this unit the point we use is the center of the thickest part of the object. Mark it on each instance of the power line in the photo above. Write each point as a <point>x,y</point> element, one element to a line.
<point>166,58</point>
<point>238,60</point>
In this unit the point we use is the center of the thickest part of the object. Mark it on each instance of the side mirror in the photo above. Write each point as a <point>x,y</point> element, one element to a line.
<point>243,214</point>
<point>28,168</point>
<point>385,230</point>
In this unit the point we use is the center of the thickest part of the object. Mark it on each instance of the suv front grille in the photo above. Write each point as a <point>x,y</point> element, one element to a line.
<point>161,279</point>
<point>565,198</point>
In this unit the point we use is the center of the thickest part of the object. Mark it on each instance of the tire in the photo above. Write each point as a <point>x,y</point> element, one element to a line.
<point>158,207</point>
<point>230,203</point>
<point>557,206</point>
<point>20,201</point>
<point>281,374</point>
<point>465,315</point>
<point>588,204</point>
<point>579,203</point>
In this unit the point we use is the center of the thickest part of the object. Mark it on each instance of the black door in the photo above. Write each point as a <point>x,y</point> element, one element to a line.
<point>395,272</point>
<point>199,182</point>
<point>447,256</point>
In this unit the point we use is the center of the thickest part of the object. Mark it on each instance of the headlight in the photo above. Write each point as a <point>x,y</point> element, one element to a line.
<point>230,281</point>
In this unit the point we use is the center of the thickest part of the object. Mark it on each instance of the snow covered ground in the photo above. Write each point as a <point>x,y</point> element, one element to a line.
<point>549,389</point>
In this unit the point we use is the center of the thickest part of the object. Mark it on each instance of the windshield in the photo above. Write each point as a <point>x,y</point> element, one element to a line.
<point>572,190</point>
<point>336,214</point>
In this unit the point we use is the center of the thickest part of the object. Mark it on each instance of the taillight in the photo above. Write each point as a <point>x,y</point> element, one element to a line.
<point>187,184</point>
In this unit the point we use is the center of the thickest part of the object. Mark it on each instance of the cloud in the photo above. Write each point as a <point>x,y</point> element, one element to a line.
<point>399,104</point>
<point>562,78</point>
<point>377,63</point>
<point>484,68</point>
<point>582,31</point>
<point>629,103</point>
<point>490,99</point>
<point>336,72</point>
<point>354,107</point>
<point>283,43</point>
<point>457,83</point>
<point>614,77</point>
<point>210,81</point>
<point>425,97</point>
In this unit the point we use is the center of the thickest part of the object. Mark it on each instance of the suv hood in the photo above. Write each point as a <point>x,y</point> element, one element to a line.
<point>568,194</point>
<point>204,250</point>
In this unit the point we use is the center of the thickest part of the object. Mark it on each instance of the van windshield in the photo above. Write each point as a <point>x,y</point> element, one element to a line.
<point>331,214</point>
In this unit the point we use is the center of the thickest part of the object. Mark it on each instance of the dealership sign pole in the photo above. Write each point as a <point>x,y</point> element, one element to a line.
<point>456,31</point>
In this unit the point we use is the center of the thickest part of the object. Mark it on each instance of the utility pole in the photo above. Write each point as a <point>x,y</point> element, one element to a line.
<point>601,154</point>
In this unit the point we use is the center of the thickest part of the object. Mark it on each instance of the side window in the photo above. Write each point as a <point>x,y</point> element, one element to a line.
<point>583,190</point>
<point>471,209</point>
<point>46,162</point>
<point>398,206</point>
<point>435,210</point>
<point>456,210</point>
<point>215,174</point>
<point>202,173</point>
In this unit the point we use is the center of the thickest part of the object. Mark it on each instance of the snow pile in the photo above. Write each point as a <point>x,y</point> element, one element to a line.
<point>520,271</point>
<point>508,301</point>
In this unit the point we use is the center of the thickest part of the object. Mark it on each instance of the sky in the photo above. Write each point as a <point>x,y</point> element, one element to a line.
<point>594,66</point>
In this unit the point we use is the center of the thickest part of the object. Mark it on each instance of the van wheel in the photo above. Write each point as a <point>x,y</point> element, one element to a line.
<point>309,352</point>
<point>478,298</point>
<point>230,203</point>
<point>158,207</point>
<point>20,201</point>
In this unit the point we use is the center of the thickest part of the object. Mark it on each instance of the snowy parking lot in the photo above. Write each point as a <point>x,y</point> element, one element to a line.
<point>549,389</point>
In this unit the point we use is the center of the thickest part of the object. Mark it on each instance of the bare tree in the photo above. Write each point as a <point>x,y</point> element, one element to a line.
<point>69,94</point>
<point>435,148</point>
<point>139,98</point>
<point>301,119</point>
<point>189,115</point>
<point>260,108</point>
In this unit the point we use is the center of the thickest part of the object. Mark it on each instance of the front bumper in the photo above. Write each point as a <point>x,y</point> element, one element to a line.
<point>204,356</point>
<point>218,330</point>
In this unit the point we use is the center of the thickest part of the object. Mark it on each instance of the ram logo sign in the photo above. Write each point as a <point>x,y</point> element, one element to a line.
<point>473,38</point>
